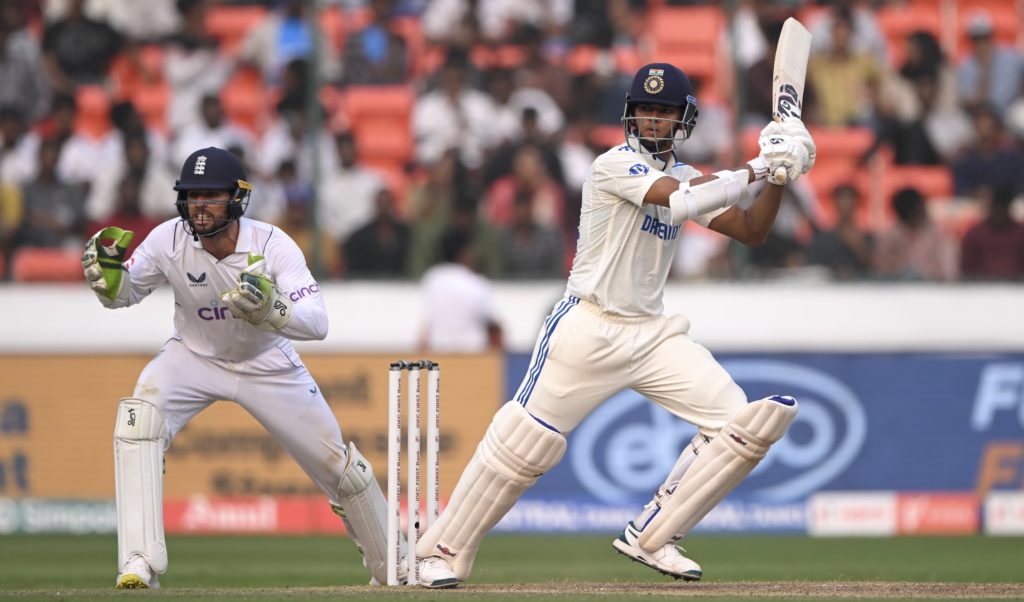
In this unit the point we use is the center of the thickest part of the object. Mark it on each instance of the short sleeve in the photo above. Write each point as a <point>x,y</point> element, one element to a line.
<point>624,174</point>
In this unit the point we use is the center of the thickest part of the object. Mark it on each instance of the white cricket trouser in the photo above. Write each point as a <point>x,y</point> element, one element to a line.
<point>583,356</point>
<point>276,390</point>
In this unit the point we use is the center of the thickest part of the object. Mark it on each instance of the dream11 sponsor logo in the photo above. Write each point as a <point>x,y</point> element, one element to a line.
<point>623,450</point>
<point>312,289</point>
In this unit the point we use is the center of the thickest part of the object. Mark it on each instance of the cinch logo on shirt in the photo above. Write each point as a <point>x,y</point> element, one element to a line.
<point>302,292</point>
<point>214,312</point>
<point>659,229</point>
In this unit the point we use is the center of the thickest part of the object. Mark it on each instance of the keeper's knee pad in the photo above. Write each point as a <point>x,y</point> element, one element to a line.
<point>140,435</point>
<point>516,450</point>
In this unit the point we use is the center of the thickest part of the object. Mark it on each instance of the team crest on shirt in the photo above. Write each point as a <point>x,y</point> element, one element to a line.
<point>639,169</point>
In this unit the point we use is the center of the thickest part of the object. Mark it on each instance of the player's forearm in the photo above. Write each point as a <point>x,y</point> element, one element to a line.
<point>761,214</point>
<point>308,322</point>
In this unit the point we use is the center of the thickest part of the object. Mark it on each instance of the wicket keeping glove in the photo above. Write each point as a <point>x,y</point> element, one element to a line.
<point>256,299</point>
<point>104,264</point>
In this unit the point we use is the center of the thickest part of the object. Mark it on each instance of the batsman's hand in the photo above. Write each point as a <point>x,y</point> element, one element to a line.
<point>795,128</point>
<point>784,156</point>
<point>256,299</point>
<point>104,264</point>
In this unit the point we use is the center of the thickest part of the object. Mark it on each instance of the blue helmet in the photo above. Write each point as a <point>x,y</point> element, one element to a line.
<point>660,84</point>
<point>213,168</point>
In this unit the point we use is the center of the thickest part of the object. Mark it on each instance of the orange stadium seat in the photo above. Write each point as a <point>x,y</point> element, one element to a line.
<point>245,100</point>
<point>93,117</point>
<point>151,102</point>
<point>230,24</point>
<point>380,119</point>
<point>934,182</point>
<point>688,37</point>
<point>898,22</point>
<point>606,136</point>
<point>46,265</point>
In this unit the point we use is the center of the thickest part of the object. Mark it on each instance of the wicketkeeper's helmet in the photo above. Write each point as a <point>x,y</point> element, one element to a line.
<point>213,168</point>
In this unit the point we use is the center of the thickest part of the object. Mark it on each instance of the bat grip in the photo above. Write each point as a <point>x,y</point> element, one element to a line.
<point>781,176</point>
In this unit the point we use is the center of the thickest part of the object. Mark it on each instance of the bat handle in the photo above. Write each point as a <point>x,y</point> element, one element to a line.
<point>781,175</point>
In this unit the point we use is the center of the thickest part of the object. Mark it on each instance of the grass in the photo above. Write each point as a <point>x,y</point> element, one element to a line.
<point>84,567</point>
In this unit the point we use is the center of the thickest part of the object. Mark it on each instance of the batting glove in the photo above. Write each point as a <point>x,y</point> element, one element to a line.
<point>780,150</point>
<point>256,299</point>
<point>104,264</point>
<point>794,127</point>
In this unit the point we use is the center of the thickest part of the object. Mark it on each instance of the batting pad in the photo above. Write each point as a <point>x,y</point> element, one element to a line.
<point>139,438</point>
<point>719,467</point>
<point>365,513</point>
<point>515,452</point>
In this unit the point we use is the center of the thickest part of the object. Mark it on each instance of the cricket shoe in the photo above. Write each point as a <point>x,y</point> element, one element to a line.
<point>436,573</point>
<point>667,560</point>
<point>137,575</point>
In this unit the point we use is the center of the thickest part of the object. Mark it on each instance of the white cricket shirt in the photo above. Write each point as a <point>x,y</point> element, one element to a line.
<point>625,248</point>
<point>171,256</point>
<point>458,305</point>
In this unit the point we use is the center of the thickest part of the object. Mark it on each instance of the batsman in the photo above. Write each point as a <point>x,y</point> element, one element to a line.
<point>242,294</point>
<point>608,333</point>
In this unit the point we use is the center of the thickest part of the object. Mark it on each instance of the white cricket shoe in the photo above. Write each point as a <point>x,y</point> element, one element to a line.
<point>667,560</point>
<point>137,575</point>
<point>436,573</point>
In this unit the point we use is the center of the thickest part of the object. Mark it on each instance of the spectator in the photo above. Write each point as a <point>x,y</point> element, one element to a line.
<point>78,50</point>
<point>844,80</point>
<point>458,305</point>
<point>914,248</point>
<point>320,249</point>
<point>927,133</point>
<point>866,36</point>
<point>757,105</point>
<point>19,147</point>
<point>991,73</point>
<point>285,35</point>
<point>529,250</point>
<point>464,22</point>
<point>193,66</point>
<point>23,82</point>
<point>375,54</point>
<point>290,138</point>
<point>348,194</point>
<point>844,249</point>
<point>712,142</point>
<point>149,21</point>
<point>210,130</point>
<point>136,160</point>
<point>380,249</point>
<point>454,116</point>
<point>991,159</point>
<point>54,210</point>
<point>82,157</point>
<point>993,249</point>
<point>268,202</point>
<point>531,179</point>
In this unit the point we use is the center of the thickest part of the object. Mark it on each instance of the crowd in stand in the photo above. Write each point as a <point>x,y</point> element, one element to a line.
<point>510,101</point>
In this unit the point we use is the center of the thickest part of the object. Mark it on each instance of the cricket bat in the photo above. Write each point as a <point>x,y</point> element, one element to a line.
<point>789,74</point>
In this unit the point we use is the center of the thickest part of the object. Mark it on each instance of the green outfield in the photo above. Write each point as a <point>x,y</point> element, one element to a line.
<point>533,567</point>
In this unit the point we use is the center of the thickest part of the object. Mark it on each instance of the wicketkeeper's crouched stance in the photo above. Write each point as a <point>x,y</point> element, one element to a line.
<point>213,258</point>
<point>608,333</point>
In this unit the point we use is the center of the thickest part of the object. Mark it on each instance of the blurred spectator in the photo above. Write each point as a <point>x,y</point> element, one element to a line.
<point>914,248</point>
<point>458,305</point>
<point>991,73</point>
<point>529,179</point>
<point>10,219</point>
<point>844,249</point>
<point>128,122</point>
<point>193,66</point>
<point>148,21</point>
<point>512,99</point>
<point>81,156</point>
<point>127,212</point>
<point>792,229</point>
<point>600,22</point>
<point>290,137</point>
<point>375,54</point>
<point>845,81</point>
<point>320,249</point>
<point>78,49</point>
<point>598,93</point>
<point>926,133</point>
<point>154,195</point>
<point>990,160</point>
<point>502,160</point>
<point>294,89</point>
<point>529,250</point>
<point>348,194</point>
<point>460,22</point>
<point>454,116</point>
<point>210,130</point>
<point>865,38</point>
<point>460,211</point>
<point>380,249</point>
<point>993,249</point>
<point>544,74</point>
<point>54,211</point>
<point>19,147</point>
<point>23,82</point>
<point>712,141</point>
<point>285,35</point>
